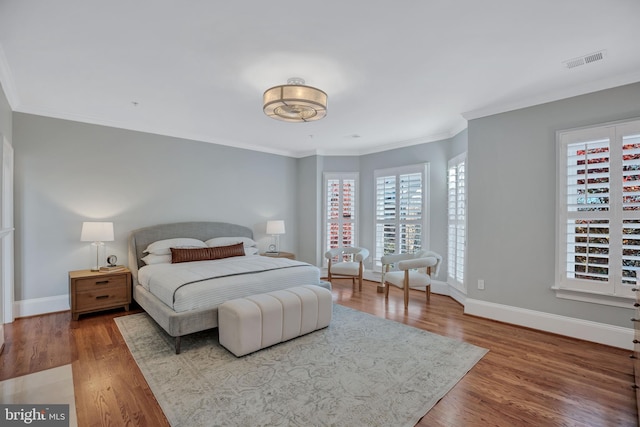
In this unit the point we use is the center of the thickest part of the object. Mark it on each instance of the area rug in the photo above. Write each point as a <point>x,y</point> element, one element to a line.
<point>360,371</point>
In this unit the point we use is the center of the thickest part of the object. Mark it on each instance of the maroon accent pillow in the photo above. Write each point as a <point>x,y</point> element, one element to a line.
<point>203,254</point>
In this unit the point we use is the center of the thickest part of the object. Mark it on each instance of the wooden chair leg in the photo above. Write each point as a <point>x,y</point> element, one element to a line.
<point>428,291</point>
<point>406,289</point>
<point>386,290</point>
<point>360,285</point>
<point>406,297</point>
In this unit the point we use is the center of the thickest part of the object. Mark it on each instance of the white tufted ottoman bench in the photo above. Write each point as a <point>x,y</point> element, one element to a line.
<point>249,324</point>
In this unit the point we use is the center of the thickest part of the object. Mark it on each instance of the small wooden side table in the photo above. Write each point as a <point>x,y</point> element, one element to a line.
<point>279,255</point>
<point>91,291</point>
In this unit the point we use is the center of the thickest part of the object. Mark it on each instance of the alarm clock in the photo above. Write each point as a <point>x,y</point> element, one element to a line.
<point>111,260</point>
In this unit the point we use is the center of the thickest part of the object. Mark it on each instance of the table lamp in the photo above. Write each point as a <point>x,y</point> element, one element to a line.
<point>275,228</point>
<point>97,233</point>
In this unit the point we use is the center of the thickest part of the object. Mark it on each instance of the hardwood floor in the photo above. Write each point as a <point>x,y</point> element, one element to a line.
<point>527,378</point>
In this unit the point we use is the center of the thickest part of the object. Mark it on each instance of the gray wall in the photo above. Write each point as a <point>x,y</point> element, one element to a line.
<point>511,210</point>
<point>309,209</point>
<point>6,131</point>
<point>68,172</point>
<point>458,144</point>
<point>5,116</point>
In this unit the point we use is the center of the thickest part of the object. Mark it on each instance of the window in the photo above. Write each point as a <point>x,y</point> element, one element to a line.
<point>401,214</point>
<point>340,211</point>
<point>599,203</point>
<point>457,221</point>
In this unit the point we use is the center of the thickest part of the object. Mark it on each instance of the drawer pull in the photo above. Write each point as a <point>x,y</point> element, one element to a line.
<point>102,297</point>
<point>634,289</point>
<point>102,282</point>
<point>637,304</point>
<point>636,342</point>
<point>635,320</point>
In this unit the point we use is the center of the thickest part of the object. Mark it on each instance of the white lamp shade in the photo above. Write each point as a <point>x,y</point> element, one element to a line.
<point>97,232</point>
<point>275,227</point>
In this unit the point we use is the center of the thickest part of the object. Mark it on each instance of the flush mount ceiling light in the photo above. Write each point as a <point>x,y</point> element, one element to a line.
<point>295,102</point>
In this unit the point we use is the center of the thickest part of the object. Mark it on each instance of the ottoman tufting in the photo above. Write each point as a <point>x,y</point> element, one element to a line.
<point>249,324</point>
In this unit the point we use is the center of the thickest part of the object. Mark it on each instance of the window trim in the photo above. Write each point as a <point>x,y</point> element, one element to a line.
<point>326,176</point>
<point>424,169</point>
<point>451,279</point>
<point>617,295</point>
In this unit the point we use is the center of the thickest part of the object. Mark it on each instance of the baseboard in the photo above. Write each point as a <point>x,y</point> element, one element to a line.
<point>457,295</point>
<point>36,306</point>
<point>601,333</point>
<point>441,288</point>
<point>587,330</point>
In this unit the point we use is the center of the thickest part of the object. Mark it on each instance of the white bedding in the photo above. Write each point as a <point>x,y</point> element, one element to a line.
<point>216,281</point>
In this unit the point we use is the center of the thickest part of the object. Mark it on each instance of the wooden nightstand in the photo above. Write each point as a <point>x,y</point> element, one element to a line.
<point>91,291</point>
<point>280,255</point>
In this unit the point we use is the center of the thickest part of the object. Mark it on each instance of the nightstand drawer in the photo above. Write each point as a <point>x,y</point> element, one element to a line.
<point>91,291</point>
<point>94,283</point>
<point>101,297</point>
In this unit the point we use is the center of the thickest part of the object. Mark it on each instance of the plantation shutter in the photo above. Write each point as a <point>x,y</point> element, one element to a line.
<point>386,232</point>
<point>630,209</point>
<point>410,208</point>
<point>588,176</point>
<point>340,210</point>
<point>400,211</point>
<point>456,218</point>
<point>600,203</point>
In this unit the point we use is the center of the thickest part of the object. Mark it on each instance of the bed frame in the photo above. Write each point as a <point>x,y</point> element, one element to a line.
<point>176,324</point>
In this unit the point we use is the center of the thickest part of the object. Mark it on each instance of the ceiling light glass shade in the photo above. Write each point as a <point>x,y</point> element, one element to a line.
<point>295,102</point>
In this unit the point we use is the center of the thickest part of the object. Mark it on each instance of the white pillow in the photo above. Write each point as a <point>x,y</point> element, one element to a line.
<point>163,247</point>
<point>157,259</point>
<point>226,241</point>
<point>250,251</point>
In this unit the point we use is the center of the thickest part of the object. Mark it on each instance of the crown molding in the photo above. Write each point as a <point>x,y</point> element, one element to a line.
<point>569,92</point>
<point>81,118</point>
<point>456,129</point>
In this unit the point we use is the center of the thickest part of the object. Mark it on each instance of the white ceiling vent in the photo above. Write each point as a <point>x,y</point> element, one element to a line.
<point>585,59</point>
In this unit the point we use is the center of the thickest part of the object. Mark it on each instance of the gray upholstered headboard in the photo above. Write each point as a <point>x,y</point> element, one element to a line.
<point>141,238</point>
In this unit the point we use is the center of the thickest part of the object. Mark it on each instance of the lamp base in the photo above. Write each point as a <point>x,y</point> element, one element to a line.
<point>98,251</point>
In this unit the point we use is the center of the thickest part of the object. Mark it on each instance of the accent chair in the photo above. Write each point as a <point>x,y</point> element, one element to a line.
<point>346,262</point>
<point>412,271</point>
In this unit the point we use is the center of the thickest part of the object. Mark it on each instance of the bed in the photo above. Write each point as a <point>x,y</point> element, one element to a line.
<point>192,307</point>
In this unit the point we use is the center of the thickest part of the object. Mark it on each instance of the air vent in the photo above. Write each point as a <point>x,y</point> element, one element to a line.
<point>585,59</point>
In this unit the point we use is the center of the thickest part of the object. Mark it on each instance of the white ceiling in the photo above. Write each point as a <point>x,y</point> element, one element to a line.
<point>397,72</point>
